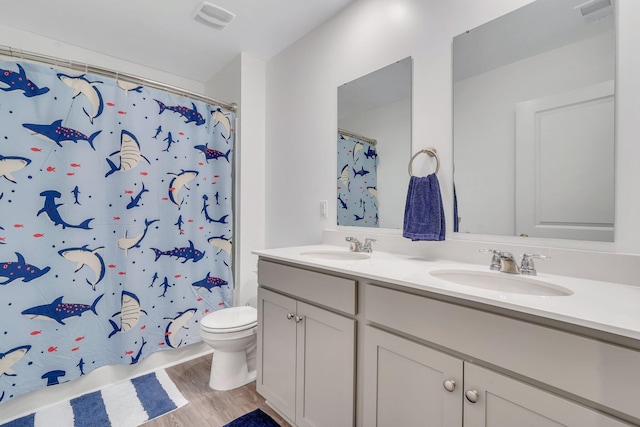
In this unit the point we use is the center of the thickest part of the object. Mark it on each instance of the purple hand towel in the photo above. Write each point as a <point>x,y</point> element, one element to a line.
<point>423,212</point>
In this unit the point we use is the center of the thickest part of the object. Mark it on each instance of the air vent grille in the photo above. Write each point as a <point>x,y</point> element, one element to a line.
<point>212,15</point>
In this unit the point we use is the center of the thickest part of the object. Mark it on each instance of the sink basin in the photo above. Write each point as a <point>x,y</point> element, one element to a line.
<point>336,255</point>
<point>501,282</point>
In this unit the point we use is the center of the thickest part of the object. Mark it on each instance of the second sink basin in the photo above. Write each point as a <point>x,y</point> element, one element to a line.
<point>501,282</point>
<point>336,255</point>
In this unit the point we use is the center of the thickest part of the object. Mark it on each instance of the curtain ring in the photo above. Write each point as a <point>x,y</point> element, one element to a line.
<point>431,151</point>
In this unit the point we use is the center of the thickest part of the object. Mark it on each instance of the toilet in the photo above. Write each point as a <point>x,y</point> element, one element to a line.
<point>231,332</point>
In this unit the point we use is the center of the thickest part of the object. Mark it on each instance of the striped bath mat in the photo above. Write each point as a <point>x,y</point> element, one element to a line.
<point>126,404</point>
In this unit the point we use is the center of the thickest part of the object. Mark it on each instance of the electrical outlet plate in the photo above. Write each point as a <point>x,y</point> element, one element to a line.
<point>323,208</point>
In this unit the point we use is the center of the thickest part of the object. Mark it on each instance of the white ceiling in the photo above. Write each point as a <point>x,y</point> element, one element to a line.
<point>161,34</point>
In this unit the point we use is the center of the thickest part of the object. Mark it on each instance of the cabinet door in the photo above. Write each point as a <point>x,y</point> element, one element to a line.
<point>326,368</point>
<point>505,402</point>
<point>276,379</point>
<point>404,383</point>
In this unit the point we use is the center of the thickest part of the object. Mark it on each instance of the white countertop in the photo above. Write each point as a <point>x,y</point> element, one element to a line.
<point>603,306</point>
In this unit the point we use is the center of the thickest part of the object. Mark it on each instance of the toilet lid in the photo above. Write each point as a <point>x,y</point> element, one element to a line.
<point>231,318</point>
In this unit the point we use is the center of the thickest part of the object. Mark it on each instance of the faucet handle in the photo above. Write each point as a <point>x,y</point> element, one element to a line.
<point>493,251</point>
<point>527,266</point>
<point>495,261</point>
<point>356,245</point>
<point>366,247</point>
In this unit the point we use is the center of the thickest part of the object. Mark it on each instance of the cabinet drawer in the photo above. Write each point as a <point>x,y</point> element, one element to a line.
<point>322,289</point>
<point>597,371</point>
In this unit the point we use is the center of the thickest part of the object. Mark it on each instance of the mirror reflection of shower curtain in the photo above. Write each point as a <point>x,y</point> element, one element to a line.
<point>357,182</point>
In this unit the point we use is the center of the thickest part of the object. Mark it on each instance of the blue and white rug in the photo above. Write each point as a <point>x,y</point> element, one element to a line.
<point>125,404</point>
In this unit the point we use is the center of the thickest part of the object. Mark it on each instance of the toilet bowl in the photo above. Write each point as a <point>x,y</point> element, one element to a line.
<point>231,332</point>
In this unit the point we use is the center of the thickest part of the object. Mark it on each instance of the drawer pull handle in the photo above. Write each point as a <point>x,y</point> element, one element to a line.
<point>298,319</point>
<point>472,396</point>
<point>449,385</point>
<point>290,316</point>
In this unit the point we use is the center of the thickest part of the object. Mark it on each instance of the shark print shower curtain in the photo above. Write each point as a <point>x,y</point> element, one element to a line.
<point>357,182</point>
<point>115,222</point>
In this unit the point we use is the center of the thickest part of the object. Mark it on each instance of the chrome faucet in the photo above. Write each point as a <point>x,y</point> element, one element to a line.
<point>527,266</point>
<point>508,263</point>
<point>358,246</point>
<point>495,261</point>
<point>505,262</point>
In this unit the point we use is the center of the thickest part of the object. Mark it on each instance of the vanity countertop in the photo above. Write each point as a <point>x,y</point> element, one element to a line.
<point>602,306</point>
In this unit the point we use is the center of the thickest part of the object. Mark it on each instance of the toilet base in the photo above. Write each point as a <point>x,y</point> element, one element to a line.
<point>229,370</point>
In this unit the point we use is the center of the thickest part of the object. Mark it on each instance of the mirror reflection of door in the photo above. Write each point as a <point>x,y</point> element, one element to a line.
<point>546,48</point>
<point>563,142</point>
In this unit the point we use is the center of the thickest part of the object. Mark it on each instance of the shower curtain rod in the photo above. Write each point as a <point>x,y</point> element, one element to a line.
<point>79,66</point>
<point>355,135</point>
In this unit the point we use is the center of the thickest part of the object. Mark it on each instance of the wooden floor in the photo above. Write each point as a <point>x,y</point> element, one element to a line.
<point>207,407</point>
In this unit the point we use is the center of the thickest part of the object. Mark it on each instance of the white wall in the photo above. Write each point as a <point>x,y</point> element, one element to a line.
<point>301,104</point>
<point>302,112</point>
<point>243,82</point>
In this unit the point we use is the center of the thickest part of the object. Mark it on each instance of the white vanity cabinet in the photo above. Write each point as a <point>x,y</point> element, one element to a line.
<point>306,352</point>
<point>409,382</point>
<point>424,358</point>
<point>500,401</point>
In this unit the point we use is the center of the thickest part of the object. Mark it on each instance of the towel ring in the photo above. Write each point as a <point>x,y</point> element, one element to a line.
<point>431,152</point>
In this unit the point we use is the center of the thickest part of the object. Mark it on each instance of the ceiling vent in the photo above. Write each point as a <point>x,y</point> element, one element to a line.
<point>212,15</point>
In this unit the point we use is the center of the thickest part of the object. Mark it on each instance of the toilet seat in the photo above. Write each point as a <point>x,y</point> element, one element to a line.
<point>233,319</point>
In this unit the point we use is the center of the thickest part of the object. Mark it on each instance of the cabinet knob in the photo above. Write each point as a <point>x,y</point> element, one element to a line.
<point>449,385</point>
<point>290,316</point>
<point>471,395</point>
<point>298,319</point>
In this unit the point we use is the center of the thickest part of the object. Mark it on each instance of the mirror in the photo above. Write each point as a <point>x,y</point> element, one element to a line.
<point>533,122</point>
<point>374,147</point>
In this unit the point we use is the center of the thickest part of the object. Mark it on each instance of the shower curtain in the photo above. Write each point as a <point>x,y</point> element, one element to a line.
<point>115,222</point>
<point>357,182</point>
